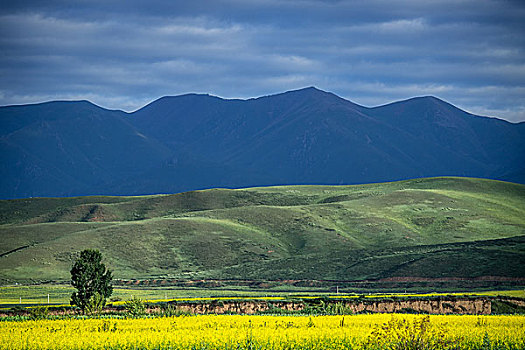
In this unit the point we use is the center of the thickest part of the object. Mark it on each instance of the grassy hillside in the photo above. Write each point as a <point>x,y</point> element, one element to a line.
<point>436,227</point>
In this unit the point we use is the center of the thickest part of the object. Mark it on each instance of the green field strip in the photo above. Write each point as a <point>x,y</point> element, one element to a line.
<point>10,296</point>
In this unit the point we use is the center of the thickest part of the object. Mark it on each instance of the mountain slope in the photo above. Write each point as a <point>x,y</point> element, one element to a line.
<point>190,142</point>
<point>438,227</point>
<point>310,136</point>
<point>483,145</point>
<point>68,147</point>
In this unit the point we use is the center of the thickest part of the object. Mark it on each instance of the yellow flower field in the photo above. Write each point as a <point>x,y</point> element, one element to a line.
<point>377,331</point>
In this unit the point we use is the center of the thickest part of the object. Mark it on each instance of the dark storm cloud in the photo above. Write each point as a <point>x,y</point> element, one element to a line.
<point>124,54</point>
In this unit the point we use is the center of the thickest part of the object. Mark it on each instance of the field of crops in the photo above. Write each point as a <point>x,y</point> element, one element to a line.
<point>61,294</point>
<point>375,331</point>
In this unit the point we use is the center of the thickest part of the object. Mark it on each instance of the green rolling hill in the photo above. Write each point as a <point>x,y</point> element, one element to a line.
<point>422,228</point>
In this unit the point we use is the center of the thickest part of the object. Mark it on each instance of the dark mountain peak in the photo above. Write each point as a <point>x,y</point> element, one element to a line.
<point>428,98</point>
<point>418,107</point>
<point>177,98</point>
<point>310,96</point>
<point>188,96</point>
<point>55,104</point>
<point>419,100</point>
<point>432,101</point>
<point>15,117</point>
<point>307,92</point>
<point>166,103</point>
<point>310,88</point>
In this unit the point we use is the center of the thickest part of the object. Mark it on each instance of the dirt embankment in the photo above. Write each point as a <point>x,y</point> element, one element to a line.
<point>440,306</point>
<point>239,307</point>
<point>460,306</point>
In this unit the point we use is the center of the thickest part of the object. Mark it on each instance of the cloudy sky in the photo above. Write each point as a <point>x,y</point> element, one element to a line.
<point>124,54</point>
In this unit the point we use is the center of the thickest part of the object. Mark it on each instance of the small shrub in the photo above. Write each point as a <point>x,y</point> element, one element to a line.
<point>18,310</point>
<point>108,326</point>
<point>135,307</point>
<point>338,309</point>
<point>402,334</point>
<point>95,304</point>
<point>324,308</point>
<point>170,310</point>
<point>39,312</point>
<point>505,307</point>
<point>310,323</point>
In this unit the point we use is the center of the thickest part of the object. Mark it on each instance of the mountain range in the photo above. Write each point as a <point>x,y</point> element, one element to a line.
<point>196,141</point>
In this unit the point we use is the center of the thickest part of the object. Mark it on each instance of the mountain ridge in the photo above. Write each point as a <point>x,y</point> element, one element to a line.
<point>196,141</point>
<point>309,88</point>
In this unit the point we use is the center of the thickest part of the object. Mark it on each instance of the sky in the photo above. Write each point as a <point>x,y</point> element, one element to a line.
<point>125,54</point>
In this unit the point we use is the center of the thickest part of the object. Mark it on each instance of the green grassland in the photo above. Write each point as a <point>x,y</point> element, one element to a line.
<point>24,296</point>
<point>432,228</point>
<point>61,294</point>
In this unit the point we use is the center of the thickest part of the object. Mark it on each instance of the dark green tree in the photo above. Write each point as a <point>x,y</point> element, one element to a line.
<point>91,279</point>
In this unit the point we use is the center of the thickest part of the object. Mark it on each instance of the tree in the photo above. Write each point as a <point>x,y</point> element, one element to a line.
<point>91,279</point>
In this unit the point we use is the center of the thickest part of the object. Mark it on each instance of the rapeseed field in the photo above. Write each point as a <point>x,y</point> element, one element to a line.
<point>374,331</point>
